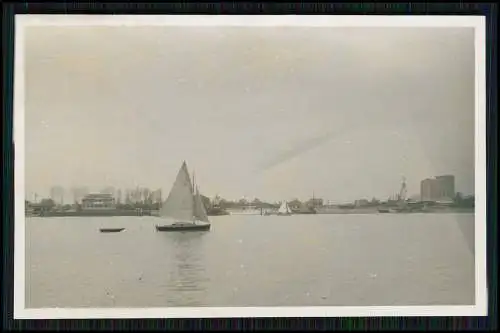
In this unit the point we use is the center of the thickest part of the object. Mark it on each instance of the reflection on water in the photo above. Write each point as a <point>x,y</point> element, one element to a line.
<point>247,260</point>
<point>188,279</point>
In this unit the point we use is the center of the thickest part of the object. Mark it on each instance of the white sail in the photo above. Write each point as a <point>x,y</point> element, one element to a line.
<point>180,201</point>
<point>284,209</point>
<point>200,212</point>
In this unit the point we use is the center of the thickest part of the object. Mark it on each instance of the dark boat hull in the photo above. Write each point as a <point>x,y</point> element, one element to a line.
<point>111,229</point>
<point>183,227</point>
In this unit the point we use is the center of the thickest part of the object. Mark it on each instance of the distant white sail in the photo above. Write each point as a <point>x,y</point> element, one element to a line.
<point>180,201</point>
<point>199,208</point>
<point>284,209</point>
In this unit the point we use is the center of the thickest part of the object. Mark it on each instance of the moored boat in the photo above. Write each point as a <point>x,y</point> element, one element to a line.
<point>179,226</point>
<point>111,229</point>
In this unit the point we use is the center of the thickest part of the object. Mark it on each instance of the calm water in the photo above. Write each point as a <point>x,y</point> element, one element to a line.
<point>245,260</point>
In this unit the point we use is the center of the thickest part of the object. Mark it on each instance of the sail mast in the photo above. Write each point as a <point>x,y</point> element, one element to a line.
<point>194,199</point>
<point>194,187</point>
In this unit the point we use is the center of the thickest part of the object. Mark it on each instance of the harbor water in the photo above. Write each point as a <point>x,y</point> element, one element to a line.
<point>251,260</point>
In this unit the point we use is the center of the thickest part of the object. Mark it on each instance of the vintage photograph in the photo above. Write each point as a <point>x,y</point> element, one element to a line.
<point>248,166</point>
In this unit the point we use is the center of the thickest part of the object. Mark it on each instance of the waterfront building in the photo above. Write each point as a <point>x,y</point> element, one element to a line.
<point>427,190</point>
<point>440,188</point>
<point>98,201</point>
<point>446,187</point>
<point>361,203</point>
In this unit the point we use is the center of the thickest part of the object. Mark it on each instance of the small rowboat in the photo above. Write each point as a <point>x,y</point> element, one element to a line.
<point>111,229</point>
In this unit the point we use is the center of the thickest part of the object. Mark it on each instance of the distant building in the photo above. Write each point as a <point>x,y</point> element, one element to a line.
<point>156,196</point>
<point>79,193</point>
<point>446,187</point>
<point>440,188</point>
<point>294,204</point>
<point>315,202</point>
<point>330,203</point>
<point>128,197</point>
<point>98,201</point>
<point>118,196</point>
<point>427,190</point>
<point>146,195</point>
<point>109,190</point>
<point>135,195</point>
<point>57,194</point>
<point>361,203</point>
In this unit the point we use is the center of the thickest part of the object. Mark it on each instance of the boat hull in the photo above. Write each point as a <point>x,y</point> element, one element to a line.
<point>183,227</point>
<point>111,229</point>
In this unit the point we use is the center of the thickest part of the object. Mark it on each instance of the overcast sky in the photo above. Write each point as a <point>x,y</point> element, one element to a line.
<point>274,113</point>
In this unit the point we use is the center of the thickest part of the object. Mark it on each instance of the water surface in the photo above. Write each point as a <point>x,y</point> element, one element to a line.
<point>248,260</point>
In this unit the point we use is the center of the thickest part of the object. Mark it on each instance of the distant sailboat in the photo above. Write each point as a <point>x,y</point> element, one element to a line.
<point>184,206</point>
<point>284,210</point>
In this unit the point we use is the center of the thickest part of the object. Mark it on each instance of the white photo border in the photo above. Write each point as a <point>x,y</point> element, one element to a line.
<point>475,22</point>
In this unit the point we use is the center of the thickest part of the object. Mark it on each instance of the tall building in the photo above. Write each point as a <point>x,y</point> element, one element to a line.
<point>146,195</point>
<point>157,196</point>
<point>153,196</point>
<point>57,194</point>
<point>137,195</point>
<point>119,196</point>
<point>446,187</point>
<point>427,192</point>
<point>128,197</point>
<point>79,193</point>
<point>438,188</point>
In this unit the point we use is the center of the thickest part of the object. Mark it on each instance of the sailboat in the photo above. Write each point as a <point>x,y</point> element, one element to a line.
<point>284,210</point>
<point>184,206</point>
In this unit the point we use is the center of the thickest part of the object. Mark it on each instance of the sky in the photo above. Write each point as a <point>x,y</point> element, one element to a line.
<point>269,112</point>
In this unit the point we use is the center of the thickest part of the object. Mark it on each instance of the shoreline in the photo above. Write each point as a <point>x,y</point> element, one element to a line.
<point>321,211</point>
<point>91,213</point>
<point>375,211</point>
